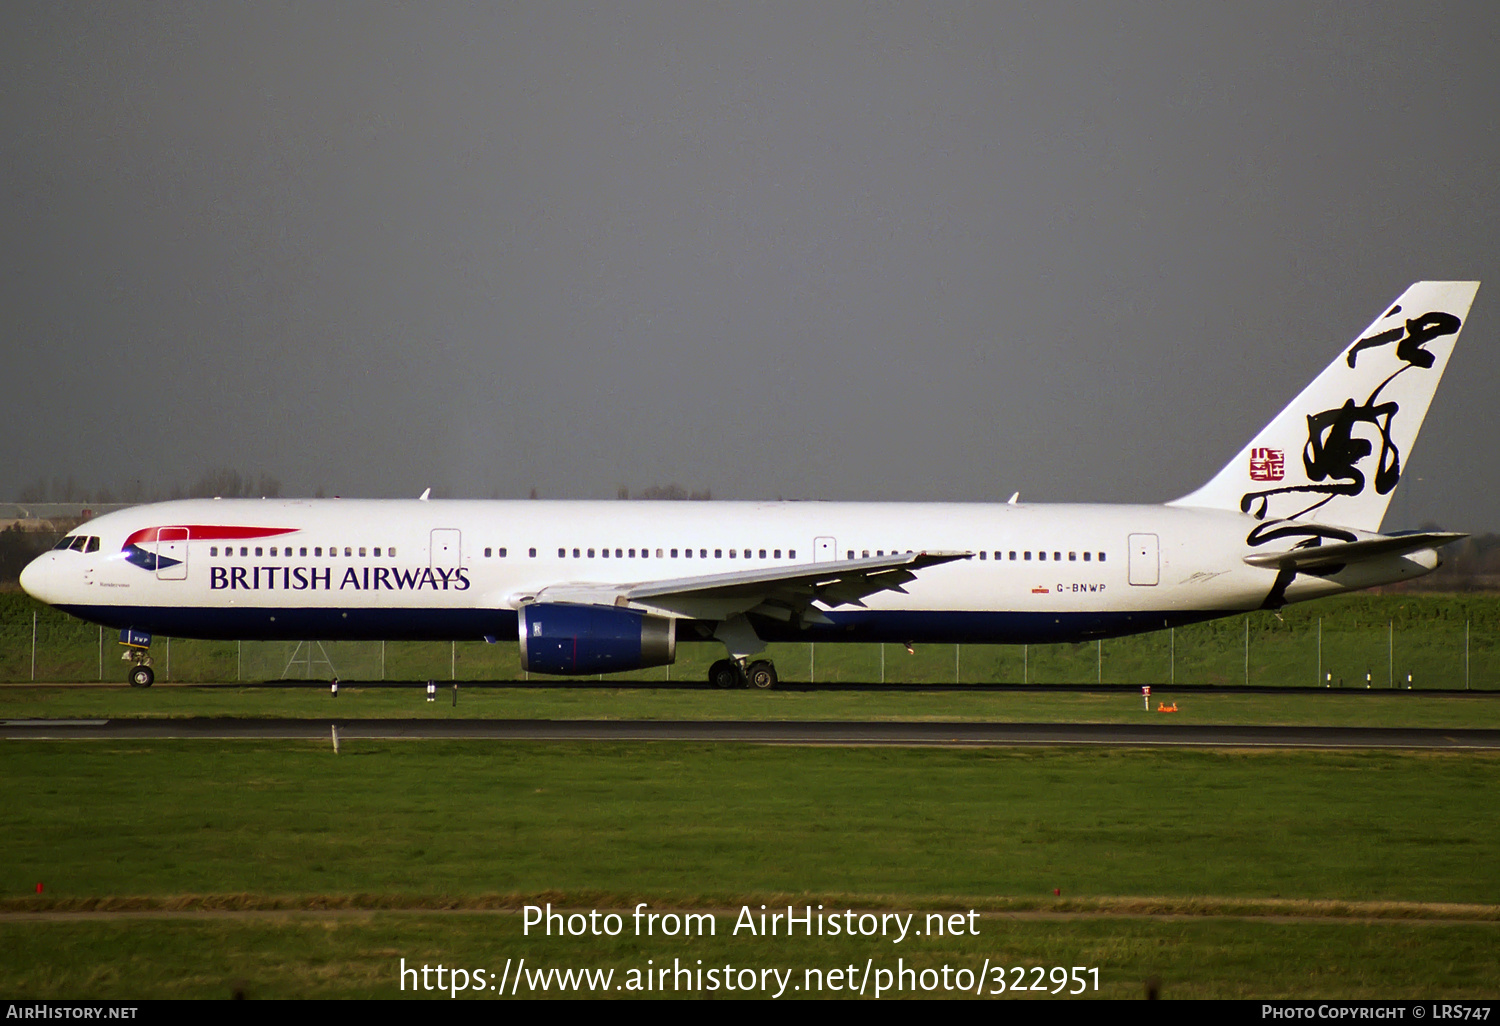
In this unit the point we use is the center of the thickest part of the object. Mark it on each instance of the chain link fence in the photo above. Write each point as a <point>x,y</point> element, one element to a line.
<point>1394,641</point>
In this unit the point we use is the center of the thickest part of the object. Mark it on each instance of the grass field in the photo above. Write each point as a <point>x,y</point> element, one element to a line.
<point>279,869</point>
<point>1406,902</point>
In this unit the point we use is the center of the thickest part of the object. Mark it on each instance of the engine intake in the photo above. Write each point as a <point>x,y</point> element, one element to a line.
<point>561,638</point>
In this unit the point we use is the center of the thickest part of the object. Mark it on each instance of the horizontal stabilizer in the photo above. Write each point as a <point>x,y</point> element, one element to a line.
<point>1340,553</point>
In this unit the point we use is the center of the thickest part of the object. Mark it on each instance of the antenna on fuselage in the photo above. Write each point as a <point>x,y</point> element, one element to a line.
<point>1013,499</point>
<point>423,497</point>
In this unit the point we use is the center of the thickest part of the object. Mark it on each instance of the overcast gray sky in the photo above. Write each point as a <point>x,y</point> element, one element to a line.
<point>846,251</point>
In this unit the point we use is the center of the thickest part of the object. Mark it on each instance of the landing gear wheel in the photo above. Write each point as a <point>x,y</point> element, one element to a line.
<point>762,674</point>
<point>142,677</point>
<point>725,674</point>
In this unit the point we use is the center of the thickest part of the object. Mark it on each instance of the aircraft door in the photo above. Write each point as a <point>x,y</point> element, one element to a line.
<point>825,549</point>
<point>172,554</point>
<point>446,551</point>
<point>1145,565</point>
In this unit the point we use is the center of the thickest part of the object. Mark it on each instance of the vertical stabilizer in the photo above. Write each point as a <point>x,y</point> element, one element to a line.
<point>1335,455</point>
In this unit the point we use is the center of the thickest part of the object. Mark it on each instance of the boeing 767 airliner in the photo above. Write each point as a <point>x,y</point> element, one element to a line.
<point>595,587</point>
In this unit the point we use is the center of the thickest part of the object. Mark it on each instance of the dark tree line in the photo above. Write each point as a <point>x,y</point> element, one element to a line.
<point>225,482</point>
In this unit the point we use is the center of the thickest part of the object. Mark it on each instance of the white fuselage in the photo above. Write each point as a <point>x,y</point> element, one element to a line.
<point>273,568</point>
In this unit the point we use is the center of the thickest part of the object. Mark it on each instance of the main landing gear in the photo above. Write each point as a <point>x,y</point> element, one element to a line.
<point>733,673</point>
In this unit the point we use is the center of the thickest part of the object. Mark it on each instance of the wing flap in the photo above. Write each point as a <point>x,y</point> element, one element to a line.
<point>784,593</point>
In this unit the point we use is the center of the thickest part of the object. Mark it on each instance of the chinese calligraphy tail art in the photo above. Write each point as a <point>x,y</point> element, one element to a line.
<point>1331,460</point>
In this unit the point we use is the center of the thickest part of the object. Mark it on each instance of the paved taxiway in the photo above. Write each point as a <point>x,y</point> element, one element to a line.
<point>822,732</point>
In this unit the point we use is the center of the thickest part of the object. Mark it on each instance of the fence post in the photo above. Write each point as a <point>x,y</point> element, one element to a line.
<point>1025,664</point>
<point>1466,655</point>
<point>812,661</point>
<point>1099,660</point>
<point>101,653</point>
<point>1247,651</point>
<point>33,644</point>
<point>955,664</point>
<point>1319,681</point>
<point>882,662</point>
<point>1172,655</point>
<point>1390,654</point>
<point>167,672</point>
<point>238,659</point>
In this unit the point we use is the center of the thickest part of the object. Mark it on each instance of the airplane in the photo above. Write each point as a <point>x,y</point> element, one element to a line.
<point>597,587</point>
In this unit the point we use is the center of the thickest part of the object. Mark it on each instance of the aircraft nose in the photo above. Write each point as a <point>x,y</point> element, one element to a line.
<point>37,576</point>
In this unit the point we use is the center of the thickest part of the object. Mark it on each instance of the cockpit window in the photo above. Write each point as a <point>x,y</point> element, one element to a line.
<point>63,543</point>
<point>78,543</point>
<point>93,545</point>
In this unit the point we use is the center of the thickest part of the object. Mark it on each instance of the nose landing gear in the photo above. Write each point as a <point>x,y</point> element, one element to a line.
<point>138,654</point>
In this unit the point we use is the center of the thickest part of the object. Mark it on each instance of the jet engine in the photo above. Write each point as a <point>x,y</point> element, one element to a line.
<point>562,638</point>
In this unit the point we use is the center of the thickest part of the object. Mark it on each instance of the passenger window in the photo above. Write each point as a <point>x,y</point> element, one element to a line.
<point>674,553</point>
<point>361,552</point>
<point>531,553</point>
<point>348,551</point>
<point>1013,555</point>
<point>591,553</point>
<point>791,553</point>
<point>391,552</point>
<point>1086,556</point>
<point>1042,556</point>
<point>502,552</point>
<point>632,553</point>
<point>981,555</point>
<point>576,551</point>
<point>718,553</point>
<point>562,553</point>
<point>686,553</point>
<point>602,552</point>
<point>777,554</point>
<point>317,550</point>
<point>1028,556</point>
<point>257,550</point>
<point>1101,557</point>
<point>1072,557</point>
<point>486,553</point>
<point>702,553</point>
<point>762,553</point>
<point>213,550</point>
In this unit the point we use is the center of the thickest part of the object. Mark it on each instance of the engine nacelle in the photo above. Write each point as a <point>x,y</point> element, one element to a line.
<point>561,638</point>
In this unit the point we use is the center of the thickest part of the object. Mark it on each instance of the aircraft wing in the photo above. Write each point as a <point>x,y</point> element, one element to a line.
<point>782,593</point>
<point>1338,553</point>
